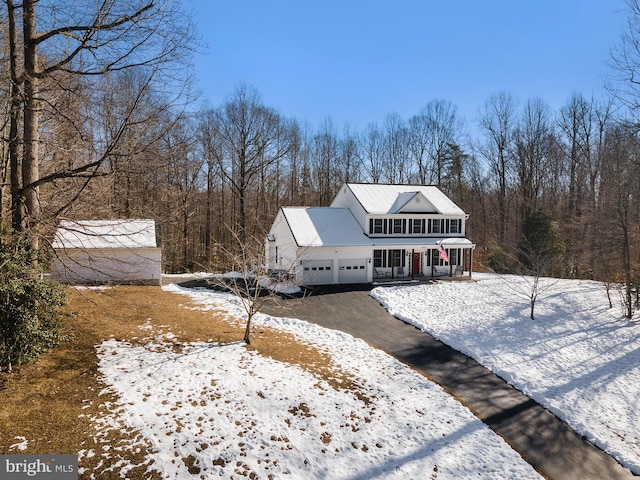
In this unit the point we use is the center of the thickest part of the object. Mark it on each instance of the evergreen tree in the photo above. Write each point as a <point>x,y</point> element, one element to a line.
<point>541,242</point>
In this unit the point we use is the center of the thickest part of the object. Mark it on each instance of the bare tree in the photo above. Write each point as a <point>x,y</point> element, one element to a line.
<point>497,122</point>
<point>372,152</point>
<point>619,196</point>
<point>253,137</point>
<point>324,151</point>
<point>396,167</point>
<point>64,39</point>
<point>538,250</point>
<point>436,127</point>
<point>535,279</point>
<point>349,158</point>
<point>209,147</point>
<point>249,280</point>
<point>534,142</point>
<point>581,130</point>
<point>625,62</point>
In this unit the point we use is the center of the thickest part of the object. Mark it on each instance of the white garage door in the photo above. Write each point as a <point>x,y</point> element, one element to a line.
<point>318,272</point>
<point>352,271</point>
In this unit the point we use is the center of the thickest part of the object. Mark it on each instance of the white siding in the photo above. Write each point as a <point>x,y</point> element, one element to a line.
<point>285,245</point>
<point>142,265</point>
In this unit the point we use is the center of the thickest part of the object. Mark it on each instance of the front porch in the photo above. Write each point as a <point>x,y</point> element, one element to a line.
<point>399,273</point>
<point>383,282</point>
<point>418,263</point>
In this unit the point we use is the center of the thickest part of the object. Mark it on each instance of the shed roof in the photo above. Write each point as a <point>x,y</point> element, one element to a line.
<point>324,227</point>
<point>105,234</point>
<point>384,199</point>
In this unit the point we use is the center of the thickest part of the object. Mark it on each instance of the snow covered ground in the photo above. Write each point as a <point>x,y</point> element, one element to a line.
<point>226,411</point>
<point>578,358</point>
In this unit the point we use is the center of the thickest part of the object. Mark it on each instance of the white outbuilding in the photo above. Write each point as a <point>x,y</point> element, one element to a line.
<point>107,251</point>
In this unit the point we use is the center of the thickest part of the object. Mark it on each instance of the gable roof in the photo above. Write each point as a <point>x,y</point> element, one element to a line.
<point>385,199</point>
<point>324,227</point>
<point>105,234</point>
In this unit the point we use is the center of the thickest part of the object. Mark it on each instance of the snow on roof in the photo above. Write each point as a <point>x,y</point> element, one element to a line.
<point>101,234</point>
<point>324,227</point>
<point>381,199</point>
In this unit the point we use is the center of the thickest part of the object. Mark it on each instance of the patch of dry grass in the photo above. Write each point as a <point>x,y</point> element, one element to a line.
<point>51,403</point>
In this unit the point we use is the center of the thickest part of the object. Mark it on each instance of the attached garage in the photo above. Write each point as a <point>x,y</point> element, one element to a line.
<point>352,270</point>
<point>107,251</point>
<point>317,272</point>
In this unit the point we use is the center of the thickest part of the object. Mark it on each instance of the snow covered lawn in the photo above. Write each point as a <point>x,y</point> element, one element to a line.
<point>225,411</point>
<point>578,358</point>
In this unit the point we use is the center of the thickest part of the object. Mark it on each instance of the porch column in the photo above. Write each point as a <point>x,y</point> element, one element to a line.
<point>433,266</point>
<point>470,262</point>
<point>413,252</point>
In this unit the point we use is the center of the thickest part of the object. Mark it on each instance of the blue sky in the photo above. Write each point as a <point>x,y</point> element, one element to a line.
<point>357,61</point>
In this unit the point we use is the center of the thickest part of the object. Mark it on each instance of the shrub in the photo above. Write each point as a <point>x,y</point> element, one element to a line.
<point>30,306</point>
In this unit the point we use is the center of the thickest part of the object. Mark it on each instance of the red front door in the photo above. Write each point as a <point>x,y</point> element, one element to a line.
<point>415,265</point>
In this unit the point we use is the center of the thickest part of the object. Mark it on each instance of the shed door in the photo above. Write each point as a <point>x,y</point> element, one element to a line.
<point>318,272</point>
<point>352,271</point>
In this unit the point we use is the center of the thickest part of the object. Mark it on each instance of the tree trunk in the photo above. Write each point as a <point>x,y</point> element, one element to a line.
<point>209,217</point>
<point>247,331</point>
<point>533,306</point>
<point>626,258</point>
<point>14,138</point>
<point>30,169</point>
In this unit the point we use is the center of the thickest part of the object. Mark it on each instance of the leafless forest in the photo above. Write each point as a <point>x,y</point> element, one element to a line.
<point>100,122</point>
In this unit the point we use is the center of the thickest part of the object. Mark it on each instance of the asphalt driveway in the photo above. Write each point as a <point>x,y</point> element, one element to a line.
<point>542,439</point>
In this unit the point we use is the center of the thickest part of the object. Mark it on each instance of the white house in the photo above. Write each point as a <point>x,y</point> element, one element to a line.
<point>371,232</point>
<point>107,251</point>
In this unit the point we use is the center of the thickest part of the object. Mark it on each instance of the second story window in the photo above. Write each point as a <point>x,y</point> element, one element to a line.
<point>397,225</point>
<point>454,225</point>
<point>436,226</point>
<point>416,226</point>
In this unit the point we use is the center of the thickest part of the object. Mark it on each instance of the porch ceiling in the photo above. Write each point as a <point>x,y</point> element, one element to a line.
<point>432,242</point>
